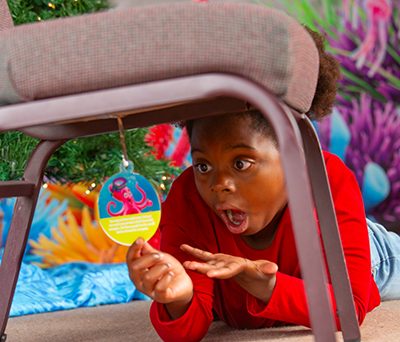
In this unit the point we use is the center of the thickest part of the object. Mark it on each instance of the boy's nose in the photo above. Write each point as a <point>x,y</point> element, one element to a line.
<point>222,184</point>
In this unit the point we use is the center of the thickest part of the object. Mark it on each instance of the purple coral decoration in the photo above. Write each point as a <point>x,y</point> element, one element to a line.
<point>375,137</point>
<point>368,50</point>
<point>366,42</point>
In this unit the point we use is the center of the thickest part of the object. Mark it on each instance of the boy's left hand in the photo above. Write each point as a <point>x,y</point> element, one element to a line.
<point>258,277</point>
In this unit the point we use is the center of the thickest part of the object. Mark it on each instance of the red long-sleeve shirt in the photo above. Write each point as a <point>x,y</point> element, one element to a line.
<point>187,219</point>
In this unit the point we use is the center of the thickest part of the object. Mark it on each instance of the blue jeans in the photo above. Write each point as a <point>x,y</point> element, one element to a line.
<point>385,260</point>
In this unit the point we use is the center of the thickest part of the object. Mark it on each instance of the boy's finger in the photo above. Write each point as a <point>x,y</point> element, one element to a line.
<point>198,253</point>
<point>268,268</point>
<point>148,249</point>
<point>147,285</point>
<point>134,251</point>
<point>138,269</point>
<point>221,273</point>
<point>163,285</point>
<point>224,270</point>
<point>156,272</point>
<point>145,262</point>
<point>198,266</point>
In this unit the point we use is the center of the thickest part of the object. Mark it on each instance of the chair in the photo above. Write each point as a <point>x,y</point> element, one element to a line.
<point>163,61</point>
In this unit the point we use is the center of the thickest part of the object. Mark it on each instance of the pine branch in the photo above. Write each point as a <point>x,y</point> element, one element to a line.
<point>84,159</point>
<point>28,11</point>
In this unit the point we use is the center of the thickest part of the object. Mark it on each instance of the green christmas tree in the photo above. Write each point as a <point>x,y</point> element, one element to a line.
<point>84,159</point>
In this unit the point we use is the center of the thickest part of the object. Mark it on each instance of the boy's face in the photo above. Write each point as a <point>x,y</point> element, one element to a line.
<point>238,172</point>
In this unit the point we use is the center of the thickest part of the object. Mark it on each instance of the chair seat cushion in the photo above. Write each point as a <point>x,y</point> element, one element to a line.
<point>158,41</point>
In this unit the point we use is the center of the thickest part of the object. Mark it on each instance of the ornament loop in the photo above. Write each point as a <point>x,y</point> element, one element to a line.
<point>126,166</point>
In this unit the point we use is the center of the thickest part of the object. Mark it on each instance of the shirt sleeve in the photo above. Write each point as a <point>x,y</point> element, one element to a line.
<point>288,301</point>
<point>191,326</point>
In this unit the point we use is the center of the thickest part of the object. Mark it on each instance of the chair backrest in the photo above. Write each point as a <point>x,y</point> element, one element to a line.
<point>6,21</point>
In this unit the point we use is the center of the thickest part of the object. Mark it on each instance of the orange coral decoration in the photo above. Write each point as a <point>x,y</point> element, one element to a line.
<point>77,195</point>
<point>71,242</point>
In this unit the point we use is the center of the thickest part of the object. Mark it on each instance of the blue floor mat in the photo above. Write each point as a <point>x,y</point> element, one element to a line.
<point>71,286</point>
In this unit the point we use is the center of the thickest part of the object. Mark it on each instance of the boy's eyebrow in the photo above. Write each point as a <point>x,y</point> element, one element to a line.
<point>240,145</point>
<point>194,149</point>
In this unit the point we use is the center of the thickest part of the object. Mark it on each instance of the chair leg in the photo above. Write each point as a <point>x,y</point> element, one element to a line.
<point>304,225</point>
<point>330,232</point>
<point>20,226</point>
<point>308,246</point>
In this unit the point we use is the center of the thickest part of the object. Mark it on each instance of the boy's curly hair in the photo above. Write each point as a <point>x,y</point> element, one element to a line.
<point>328,77</point>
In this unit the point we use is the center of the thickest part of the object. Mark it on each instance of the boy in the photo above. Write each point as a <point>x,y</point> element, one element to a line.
<point>227,242</point>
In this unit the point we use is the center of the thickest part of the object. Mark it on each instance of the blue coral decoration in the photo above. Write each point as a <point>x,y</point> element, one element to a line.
<point>376,185</point>
<point>339,135</point>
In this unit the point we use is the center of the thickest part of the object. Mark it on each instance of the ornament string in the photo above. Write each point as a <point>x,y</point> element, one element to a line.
<point>125,159</point>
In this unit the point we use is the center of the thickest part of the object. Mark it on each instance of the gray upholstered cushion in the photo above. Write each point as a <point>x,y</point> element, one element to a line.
<point>159,41</point>
<point>5,16</point>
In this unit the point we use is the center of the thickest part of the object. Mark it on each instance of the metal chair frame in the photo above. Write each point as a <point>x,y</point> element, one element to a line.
<point>56,120</point>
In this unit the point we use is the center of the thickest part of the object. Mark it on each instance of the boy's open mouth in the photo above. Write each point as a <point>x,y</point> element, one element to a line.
<point>235,220</point>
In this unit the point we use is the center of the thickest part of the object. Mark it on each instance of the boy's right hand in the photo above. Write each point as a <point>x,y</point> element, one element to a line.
<point>160,276</point>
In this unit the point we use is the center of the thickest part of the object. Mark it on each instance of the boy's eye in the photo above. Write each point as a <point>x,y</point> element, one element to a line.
<point>241,165</point>
<point>203,167</point>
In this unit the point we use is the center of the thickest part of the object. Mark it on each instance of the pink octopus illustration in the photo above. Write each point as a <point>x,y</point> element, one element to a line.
<point>121,192</point>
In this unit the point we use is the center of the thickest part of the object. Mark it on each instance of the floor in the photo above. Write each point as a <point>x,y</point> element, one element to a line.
<point>130,322</point>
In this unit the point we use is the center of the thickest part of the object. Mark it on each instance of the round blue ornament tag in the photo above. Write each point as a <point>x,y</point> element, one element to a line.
<point>129,207</point>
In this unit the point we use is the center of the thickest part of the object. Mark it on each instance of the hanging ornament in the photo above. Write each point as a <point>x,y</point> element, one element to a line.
<point>128,205</point>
